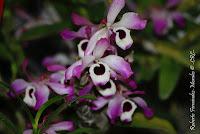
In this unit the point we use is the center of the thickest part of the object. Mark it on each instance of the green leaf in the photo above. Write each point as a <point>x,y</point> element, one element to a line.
<point>43,31</point>
<point>169,74</point>
<point>53,115</point>
<point>4,53</point>
<point>4,86</point>
<point>43,108</point>
<point>161,125</point>
<point>166,50</point>
<point>88,96</point>
<point>8,123</point>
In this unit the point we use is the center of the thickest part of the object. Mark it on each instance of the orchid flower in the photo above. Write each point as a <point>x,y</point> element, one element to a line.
<point>60,59</point>
<point>37,91</point>
<point>85,32</point>
<point>60,126</point>
<point>163,17</point>
<point>101,68</point>
<point>120,30</point>
<point>121,105</point>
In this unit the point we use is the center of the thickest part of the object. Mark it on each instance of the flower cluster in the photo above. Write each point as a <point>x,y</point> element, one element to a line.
<point>100,70</point>
<point>163,17</point>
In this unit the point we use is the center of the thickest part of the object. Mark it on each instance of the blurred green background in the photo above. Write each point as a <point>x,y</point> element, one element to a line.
<point>30,29</point>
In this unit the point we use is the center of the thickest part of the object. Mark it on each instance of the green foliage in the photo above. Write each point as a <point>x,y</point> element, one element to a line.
<point>43,31</point>
<point>4,120</point>
<point>160,125</point>
<point>168,77</point>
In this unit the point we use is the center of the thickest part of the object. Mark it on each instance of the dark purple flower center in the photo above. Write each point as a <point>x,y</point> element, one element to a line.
<point>122,34</point>
<point>84,46</point>
<point>99,70</point>
<point>106,86</point>
<point>127,106</point>
<point>31,93</point>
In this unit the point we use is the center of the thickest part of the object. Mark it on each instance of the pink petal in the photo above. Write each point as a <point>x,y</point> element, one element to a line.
<point>179,19</point>
<point>119,65</point>
<point>131,20</point>
<point>61,89</point>
<point>114,10</point>
<point>172,3</point>
<point>85,90</point>
<point>79,20</point>
<point>99,103</point>
<point>57,77</point>
<point>28,131</point>
<point>101,47</point>
<point>55,68</point>
<point>42,95</point>
<point>19,85</point>
<point>148,112</point>
<point>74,70</point>
<point>102,33</point>
<point>61,126</point>
<point>114,108</point>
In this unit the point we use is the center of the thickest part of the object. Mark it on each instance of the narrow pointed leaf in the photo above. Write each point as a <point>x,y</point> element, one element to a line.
<point>168,77</point>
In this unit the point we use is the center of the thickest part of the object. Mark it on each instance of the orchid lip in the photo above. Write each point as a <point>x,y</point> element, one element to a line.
<point>30,98</point>
<point>128,108</point>
<point>107,90</point>
<point>99,73</point>
<point>82,47</point>
<point>123,38</point>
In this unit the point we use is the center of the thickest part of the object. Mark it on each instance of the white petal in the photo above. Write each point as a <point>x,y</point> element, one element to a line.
<point>98,77</point>
<point>128,108</point>
<point>123,37</point>
<point>82,47</point>
<point>108,89</point>
<point>30,98</point>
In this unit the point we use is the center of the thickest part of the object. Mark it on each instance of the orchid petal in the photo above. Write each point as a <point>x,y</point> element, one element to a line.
<point>123,37</point>
<point>58,77</point>
<point>19,86</point>
<point>160,26</point>
<point>70,35</point>
<point>102,33</point>
<point>100,48</point>
<point>60,58</point>
<point>172,3</point>
<point>60,88</point>
<point>42,95</point>
<point>148,112</point>
<point>99,73</point>
<point>74,70</point>
<point>87,61</point>
<point>99,103</point>
<point>131,20</point>
<point>28,131</point>
<point>61,126</point>
<point>85,90</point>
<point>82,47</point>
<point>179,19</point>
<point>114,108</point>
<point>79,20</point>
<point>119,65</point>
<point>55,68</point>
<point>128,108</point>
<point>114,10</point>
<point>107,90</point>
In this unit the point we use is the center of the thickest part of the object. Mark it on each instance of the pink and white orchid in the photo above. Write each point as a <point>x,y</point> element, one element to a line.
<point>120,29</point>
<point>60,126</point>
<point>122,105</point>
